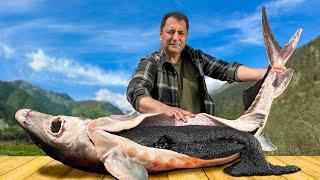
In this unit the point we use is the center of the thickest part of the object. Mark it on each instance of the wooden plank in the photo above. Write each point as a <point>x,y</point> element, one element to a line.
<point>53,170</point>
<point>313,159</point>
<point>163,176</point>
<point>298,175</point>
<point>316,157</point>
<point>306,167</point>
<point>76,174</point>
<point>85,175</point>
<point>217,173</point>
<point>14,162</point>
<point>108,177</point>
<point>4,158</point>
<point>35,167</point>
<point>189,174</point>
<point>266,177</point>
<point>27,169</point>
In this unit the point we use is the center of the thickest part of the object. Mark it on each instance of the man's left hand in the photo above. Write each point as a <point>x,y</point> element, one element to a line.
<point>278,68</point>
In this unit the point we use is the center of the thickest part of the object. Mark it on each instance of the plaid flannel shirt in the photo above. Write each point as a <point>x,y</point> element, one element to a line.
<point>155,76</point>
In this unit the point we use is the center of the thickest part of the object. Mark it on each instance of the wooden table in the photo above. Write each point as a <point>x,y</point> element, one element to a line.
<point>44,167</point>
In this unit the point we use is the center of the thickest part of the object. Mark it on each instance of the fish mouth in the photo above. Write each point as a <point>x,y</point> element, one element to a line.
<point>56,127</point>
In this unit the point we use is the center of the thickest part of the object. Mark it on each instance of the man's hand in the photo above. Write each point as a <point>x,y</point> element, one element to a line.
<point>178,113</point>
<point>278,68</point>
<point>149,105</point>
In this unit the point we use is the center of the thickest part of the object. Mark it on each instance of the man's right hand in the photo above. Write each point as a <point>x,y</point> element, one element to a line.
<point>150,105</point>
<point>178,113</point>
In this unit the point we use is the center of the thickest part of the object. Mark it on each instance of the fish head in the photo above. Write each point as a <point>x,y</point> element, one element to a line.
<point>64,138</point>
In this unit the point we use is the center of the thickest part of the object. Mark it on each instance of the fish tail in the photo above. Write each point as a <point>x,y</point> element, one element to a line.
<point>275,53</point>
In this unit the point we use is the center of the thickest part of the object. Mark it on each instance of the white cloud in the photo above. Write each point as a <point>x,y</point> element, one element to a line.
<point>127,40</point>
<point>250,26</point>
<point>7,51</point>
<point>94,37</point>
<point>213,84</point>
<point>39,60</point>
<point>116,99</point>
<point>282,6</point>
<point>247,26</point>
<point>83,73</point>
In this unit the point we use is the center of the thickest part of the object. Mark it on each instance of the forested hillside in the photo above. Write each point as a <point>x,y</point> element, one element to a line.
<point>294,121</point>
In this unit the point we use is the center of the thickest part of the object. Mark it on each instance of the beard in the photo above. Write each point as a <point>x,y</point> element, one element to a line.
<point>173,49</point>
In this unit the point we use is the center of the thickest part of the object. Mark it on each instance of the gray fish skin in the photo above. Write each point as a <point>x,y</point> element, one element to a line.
<point>88,145</point>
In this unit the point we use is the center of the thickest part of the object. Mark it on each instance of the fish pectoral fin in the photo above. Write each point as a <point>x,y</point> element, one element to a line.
<point>123,168</point>
<point>266,145</point>
<point>251,121</point>
<point>281,82</point>
<point>109,148</point>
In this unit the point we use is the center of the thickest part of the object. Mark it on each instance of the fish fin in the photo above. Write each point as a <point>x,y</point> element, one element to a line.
<point>272,47</point>
<point>266,145</point>
<point>123,168</point>
<point>256,115</point>
<point>109,151</point>
<point>288,49</point>
<point>281,82</point>
<point>122,122</point>
<point>251,121</point>
<point>274,51</point>
<point>121,117</point>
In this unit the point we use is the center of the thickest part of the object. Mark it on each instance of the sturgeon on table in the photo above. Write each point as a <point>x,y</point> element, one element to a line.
<point>130,147</point>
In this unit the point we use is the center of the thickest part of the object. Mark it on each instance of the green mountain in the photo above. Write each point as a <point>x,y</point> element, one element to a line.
<point>293,124</point>
<point>16,95</point>
<point>84,109</point>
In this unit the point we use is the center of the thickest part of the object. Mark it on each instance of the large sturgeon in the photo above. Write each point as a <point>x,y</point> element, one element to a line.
<point>130,147</point>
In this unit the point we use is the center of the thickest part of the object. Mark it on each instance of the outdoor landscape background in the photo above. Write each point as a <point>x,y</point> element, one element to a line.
<point>68,57</point>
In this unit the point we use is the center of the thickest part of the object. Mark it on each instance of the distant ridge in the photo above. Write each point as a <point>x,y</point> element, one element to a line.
<point>19,94</point>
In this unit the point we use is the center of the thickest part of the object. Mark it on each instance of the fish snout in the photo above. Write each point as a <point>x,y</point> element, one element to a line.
<point>22,116</point>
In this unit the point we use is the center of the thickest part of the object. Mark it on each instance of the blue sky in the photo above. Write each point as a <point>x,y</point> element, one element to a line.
<point>90,49</point>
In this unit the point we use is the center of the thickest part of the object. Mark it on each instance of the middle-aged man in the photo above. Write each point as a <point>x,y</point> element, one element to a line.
<point>171,80</point>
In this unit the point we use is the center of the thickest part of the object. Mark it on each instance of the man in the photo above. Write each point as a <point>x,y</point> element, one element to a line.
<point>171,80</point>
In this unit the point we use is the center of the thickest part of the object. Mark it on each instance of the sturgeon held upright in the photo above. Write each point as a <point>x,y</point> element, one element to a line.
<point>131,147</point>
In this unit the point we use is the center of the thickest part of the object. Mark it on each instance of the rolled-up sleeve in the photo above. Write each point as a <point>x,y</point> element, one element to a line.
<point>219,69</point>
<point>142,82</point>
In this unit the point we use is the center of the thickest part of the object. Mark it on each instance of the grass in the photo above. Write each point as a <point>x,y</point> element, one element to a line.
<point>20,149</point>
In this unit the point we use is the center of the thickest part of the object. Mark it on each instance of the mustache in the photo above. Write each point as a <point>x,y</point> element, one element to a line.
<point>175,44</point>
